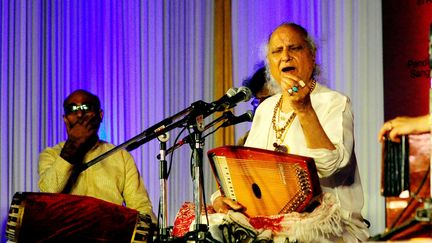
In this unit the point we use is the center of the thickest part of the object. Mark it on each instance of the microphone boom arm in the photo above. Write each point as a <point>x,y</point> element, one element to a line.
<point>142,138</point>
<point>198,109</point>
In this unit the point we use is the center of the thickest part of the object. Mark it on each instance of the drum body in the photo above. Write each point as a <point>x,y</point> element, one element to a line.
<point>51,217</point>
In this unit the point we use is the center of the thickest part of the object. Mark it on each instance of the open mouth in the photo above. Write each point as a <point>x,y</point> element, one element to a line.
<point>288,69</point>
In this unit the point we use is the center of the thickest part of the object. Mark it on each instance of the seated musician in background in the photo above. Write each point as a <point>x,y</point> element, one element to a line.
<point>261,90</point>
<point>309,119</point>
<point>114,179</point>
<point>403,125</point>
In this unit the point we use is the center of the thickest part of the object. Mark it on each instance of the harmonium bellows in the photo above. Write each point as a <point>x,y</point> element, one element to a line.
<point>265,182</point>
<point>395,167</point>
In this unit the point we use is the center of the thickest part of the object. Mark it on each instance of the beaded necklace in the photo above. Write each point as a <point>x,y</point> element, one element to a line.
<point>281,131</point>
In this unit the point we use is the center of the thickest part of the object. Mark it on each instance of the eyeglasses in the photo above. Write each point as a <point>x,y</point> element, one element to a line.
<point>73,108</point>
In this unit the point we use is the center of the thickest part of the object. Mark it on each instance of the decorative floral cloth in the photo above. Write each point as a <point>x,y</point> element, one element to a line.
<point>324,223</point>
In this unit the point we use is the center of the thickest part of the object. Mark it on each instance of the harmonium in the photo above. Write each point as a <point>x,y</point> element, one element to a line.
<point>405,184</point>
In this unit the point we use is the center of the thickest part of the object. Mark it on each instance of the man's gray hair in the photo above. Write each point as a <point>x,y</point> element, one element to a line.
<point>310,44</point>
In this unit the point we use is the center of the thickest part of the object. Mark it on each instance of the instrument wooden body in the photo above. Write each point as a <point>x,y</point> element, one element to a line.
<point>265,182</point>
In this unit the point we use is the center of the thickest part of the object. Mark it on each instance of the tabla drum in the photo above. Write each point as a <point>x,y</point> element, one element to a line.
<point>52,217</point>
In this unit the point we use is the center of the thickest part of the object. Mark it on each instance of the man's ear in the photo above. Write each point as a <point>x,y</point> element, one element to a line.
<point>101,114</point>
<point>66,121</point>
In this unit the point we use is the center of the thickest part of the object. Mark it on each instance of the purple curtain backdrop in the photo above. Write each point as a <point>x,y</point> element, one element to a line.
<point>144,59</point>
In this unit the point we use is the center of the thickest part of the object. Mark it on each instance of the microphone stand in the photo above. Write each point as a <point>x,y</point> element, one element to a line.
<point>200,229</point>
<point>197,150</point>
<point>164,232</point>
<point>197,124</point>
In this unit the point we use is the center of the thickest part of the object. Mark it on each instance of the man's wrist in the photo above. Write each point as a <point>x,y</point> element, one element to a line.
<point>70,152</point>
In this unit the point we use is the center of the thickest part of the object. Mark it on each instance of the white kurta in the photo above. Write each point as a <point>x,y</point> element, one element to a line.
<point>337,169</point>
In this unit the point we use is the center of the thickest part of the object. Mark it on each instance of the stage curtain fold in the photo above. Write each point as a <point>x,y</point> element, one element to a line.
<point>223,63</point>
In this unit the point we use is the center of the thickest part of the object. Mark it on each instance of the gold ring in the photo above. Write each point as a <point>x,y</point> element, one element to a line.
<point>302,84</point>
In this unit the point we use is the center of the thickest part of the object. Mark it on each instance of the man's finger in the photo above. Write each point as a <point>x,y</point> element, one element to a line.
<point>232,204</point>
<point>93,122</point>
<point>87,118</point>
<point>394,136</point>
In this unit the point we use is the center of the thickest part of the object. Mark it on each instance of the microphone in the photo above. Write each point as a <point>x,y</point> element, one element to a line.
<point>233,120</point>
<point>223,102</point>
<point>231,99</point>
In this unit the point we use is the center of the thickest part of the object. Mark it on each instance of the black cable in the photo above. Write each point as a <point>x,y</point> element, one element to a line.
<point>204,197</point>
<point>172,154</point>
<point>217,128</point>
<point>191,134</point>
<point>158,219</point>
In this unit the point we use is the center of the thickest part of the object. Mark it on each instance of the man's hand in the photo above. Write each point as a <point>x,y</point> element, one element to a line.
<point>83,129</point>
<point>82,136</point>
<point>223,204</point>
<point>395,128</point>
